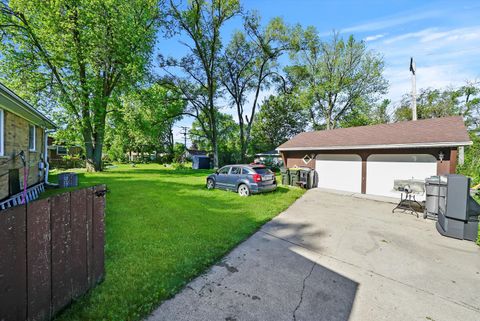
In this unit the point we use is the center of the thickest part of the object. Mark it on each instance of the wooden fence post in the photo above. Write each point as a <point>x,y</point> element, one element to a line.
<point>99,232</point>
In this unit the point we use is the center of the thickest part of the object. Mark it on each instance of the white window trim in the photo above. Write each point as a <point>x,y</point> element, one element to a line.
<point>2,133</point>
<point>34,138</point>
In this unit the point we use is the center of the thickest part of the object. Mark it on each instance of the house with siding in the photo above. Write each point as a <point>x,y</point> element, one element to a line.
<point>23,145</point>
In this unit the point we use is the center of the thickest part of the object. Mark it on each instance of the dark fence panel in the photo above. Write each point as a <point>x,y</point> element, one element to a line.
<point>52,252</point>
<point>78,249</point>
<point>13,296</point>
<point>61,256</point>
<point>89,222</point>
<point>39,274</point>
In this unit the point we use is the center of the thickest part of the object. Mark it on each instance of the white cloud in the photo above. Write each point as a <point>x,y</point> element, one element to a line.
<point>392,21</point>
<point>440,37</point>
<point>410,35</point>
<point>374,37</point>
<point>444,57</point>
<point>435,76</point>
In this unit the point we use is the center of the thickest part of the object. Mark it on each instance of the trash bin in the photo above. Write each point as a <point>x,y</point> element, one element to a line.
<point>67,180</point>
<point>285,176</point>
<point>436,192</point>
<point>294,176</point>
<point>313,179</point>
<point>306,178</point>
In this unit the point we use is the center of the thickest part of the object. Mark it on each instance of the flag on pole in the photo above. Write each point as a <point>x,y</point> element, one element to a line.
<point>412,65</point>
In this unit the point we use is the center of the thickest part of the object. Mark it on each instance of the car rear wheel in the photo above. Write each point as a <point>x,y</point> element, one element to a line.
<point>243,190</point>
<point>210,184</point>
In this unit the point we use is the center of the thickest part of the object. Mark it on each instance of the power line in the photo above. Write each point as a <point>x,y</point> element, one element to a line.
<point>184,133</point>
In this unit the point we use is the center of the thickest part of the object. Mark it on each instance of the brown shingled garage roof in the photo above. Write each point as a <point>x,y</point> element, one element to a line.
<point>447,131</point>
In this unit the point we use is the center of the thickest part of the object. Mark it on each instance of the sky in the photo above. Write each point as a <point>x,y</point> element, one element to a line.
<point>442,36</point>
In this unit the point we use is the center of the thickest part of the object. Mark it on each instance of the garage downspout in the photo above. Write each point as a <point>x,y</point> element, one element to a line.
<point>45,158</point>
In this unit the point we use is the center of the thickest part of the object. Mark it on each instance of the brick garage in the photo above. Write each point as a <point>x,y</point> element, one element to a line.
<point>18,121</point>
<point>366,159</point>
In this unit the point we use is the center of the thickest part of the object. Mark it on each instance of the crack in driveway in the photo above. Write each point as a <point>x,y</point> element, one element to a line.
<point>459,303</point>
<point>301,293</point>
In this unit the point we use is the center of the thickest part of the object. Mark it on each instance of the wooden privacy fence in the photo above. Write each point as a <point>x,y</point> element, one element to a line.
<point>52,251</point>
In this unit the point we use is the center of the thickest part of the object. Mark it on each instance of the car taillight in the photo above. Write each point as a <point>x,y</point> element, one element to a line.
<point>257,178</point>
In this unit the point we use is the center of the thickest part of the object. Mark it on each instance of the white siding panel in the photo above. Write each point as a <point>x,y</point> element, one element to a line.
<point>339,171</point>
<point>383,169</point>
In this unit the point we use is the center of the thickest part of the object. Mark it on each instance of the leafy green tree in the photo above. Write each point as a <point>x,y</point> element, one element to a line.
<point>432,103</point>
<point>333,77</point>
<point>248,66</point>
<point>279,119</point>
<point>471,166</point>
<point>365,114</point>
<point>227,139</point>
<point>144,121</point>
<point>197,76</point>
<point>77,56</point>
<point>178,152</point>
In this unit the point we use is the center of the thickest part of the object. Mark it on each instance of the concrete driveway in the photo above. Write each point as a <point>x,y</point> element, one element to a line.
<point>337,257</point>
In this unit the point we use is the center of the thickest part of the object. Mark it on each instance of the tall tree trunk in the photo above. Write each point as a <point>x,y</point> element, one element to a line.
<point>93,161</point>
<point>214,141</point>
<point>215,154</point>
<point>94,136</point>
<point>242,138</point>
<point>97,158</point>
<point>215,147</point>
<point>89,148</point>
<point>89,162</point>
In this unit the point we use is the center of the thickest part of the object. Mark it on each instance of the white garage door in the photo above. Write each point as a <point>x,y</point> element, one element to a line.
<point>382,170</point>
<point>340,172</point>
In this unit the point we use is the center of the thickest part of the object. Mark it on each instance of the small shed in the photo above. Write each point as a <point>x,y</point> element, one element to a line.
<point>200,162</point>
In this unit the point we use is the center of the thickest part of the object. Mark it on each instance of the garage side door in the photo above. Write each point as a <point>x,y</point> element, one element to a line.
<point>382,170</point>
<point>340,172</point>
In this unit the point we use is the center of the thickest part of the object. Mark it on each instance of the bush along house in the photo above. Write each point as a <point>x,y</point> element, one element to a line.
<point>23,150</point>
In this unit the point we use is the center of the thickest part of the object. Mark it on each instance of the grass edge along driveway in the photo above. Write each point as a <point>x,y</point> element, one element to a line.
<point>163,228</point>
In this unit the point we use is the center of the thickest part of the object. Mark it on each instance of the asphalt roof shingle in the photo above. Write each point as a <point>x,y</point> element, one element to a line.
<point>448,130</point>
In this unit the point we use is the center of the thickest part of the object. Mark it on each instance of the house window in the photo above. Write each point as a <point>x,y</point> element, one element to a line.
<point>31,137</point>
<point>2,130</point>
<point>61,150</point>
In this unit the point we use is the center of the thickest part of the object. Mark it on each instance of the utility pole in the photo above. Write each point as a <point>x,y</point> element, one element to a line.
<point>413,69</point>
<point>184,133</point>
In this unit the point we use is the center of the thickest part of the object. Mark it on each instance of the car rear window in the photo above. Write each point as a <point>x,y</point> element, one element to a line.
<point>263,171</point>
<point>246,171</point>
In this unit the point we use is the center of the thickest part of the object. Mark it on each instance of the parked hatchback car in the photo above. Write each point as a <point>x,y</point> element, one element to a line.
<point>244,179</point>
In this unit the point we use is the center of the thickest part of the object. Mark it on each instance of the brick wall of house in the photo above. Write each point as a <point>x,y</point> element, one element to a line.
<point>16,140</point>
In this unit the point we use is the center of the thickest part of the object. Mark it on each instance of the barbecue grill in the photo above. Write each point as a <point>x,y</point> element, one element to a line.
<point>409,187</point>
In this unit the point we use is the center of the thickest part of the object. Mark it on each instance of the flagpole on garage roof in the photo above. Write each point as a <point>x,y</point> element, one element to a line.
<point>413,69</point>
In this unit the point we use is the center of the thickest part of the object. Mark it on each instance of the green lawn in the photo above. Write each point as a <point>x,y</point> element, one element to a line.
<point>163,228</point>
